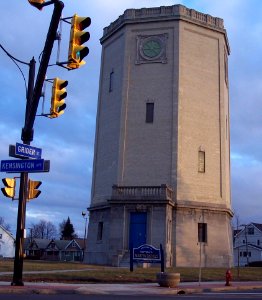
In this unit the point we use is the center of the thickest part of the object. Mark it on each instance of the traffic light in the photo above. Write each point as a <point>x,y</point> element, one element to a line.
<point>37,3</point>
<point>9,190</point>
<point>33,191</point>
<point>76,51</point>
<point>57,101</point>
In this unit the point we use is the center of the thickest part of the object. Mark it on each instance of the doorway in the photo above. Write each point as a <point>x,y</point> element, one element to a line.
<point>137,229</point>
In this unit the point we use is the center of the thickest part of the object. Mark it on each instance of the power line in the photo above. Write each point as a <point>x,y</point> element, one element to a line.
<point>15,60</point>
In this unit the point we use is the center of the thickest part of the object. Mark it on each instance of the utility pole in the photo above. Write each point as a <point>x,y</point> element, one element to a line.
<point>33,97</point>
<point>21,214</point>
<point>84,216</point>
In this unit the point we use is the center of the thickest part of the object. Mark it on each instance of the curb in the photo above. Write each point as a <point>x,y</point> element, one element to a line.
<point>124,289</point>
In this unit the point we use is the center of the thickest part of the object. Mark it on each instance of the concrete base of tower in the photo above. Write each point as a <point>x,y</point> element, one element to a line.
<point>190,236</point>
<point>203,237</point>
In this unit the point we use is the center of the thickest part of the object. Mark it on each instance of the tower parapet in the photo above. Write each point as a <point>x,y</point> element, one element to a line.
<point>161,13</point>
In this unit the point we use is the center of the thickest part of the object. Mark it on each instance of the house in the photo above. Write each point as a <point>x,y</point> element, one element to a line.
<point>248,244</point>
<point>35,248</point>
<point>73,251</point>
<point>55,250</point>
<point>7,243</point>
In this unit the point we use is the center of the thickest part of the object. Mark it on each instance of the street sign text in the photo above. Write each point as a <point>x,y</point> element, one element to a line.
<point>27,151</point>
<point>25,165</point>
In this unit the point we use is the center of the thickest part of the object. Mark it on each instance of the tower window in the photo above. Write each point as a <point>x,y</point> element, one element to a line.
<point>111,81</point>
<point>226,67</point>
<point>100,231</point>
<point>150,112</point>
<point>202,232</point>
<point>201,161</point>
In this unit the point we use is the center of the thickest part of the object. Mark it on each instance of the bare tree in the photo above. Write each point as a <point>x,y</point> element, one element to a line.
<point>43,230</point>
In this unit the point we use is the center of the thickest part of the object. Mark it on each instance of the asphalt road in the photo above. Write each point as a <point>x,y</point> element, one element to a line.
<point>205,296</point>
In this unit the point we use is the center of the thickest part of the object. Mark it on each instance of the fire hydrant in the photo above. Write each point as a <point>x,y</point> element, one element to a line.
<point>228,277</point>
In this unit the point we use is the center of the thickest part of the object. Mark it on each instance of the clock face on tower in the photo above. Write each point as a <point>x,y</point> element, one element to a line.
<point>151,48</point>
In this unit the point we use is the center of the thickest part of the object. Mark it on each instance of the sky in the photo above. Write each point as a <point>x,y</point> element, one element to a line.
<point>68,141</point>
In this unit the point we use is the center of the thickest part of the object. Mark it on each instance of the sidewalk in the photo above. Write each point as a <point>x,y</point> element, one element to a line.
<point>125,289</point>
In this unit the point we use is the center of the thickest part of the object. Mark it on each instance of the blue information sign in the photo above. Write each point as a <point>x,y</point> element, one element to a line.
<point>24,165</point>
<point>146,253</point>
<point>28,151</point>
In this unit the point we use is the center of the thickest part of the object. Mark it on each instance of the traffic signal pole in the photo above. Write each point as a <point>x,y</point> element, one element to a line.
<point>21,213</point>
<point>33,97</point>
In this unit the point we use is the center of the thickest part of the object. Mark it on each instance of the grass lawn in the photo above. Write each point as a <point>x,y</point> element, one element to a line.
<point>100,274</point>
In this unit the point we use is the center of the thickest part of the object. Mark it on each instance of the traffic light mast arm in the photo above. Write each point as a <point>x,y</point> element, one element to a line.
<point>27,131</point>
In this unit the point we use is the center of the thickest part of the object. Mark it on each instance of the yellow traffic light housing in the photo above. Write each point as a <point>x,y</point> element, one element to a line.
<point>9,190</point>
<point>76,51</point>
<point>33,191</point>
<point>37,3</point>
<point>57,101</point>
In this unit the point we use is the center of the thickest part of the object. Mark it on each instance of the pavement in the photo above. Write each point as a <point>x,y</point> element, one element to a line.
<point>126,289</point>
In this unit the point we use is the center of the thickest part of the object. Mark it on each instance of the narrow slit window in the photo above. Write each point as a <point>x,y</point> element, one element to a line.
<point>226,67</point>
<point>111,81</point>
<point>150,112</point>
<point>202,232</point>
<point>201,162</point>
<point>100,231</point>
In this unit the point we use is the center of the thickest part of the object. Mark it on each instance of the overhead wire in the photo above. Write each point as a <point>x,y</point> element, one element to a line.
<point>15,60</point>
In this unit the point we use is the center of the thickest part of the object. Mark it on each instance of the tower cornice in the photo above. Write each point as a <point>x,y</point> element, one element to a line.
<point>165,13</point>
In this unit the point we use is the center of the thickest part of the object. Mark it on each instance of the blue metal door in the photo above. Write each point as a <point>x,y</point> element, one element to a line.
<point>137,229</point>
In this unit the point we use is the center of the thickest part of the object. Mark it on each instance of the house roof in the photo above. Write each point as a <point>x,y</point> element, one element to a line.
<point>236,231</point>
<point>40,243</point>
<point>7,232</point>
<point>62,244</point>
<point>80,242</point>
<point>258,226</point>
<point>249,246</point>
